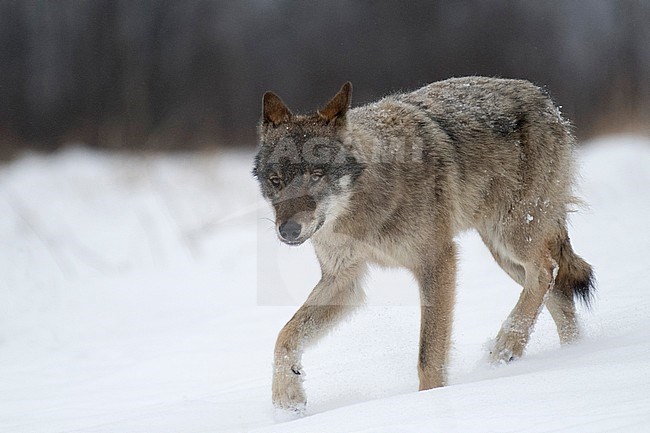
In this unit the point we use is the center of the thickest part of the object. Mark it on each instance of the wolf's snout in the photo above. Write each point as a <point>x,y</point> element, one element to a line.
<point>290,230</point>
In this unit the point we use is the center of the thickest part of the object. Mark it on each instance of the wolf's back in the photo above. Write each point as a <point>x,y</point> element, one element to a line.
<point>486,144</point>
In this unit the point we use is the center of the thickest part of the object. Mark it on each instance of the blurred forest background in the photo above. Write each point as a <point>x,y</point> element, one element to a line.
<point>156,74</point>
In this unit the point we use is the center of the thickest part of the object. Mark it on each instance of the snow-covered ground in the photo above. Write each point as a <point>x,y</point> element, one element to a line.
<point>144,295</point>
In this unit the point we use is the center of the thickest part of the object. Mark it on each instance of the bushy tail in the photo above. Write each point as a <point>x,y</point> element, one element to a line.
<point>575,277</point>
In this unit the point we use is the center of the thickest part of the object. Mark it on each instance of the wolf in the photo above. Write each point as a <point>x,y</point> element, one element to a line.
<point>392,182</point>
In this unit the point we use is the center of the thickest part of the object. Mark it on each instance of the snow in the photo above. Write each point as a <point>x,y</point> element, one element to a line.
<point>143,294</point>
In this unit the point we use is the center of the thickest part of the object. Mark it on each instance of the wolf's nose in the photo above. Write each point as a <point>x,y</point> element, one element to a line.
<point>290,230</point>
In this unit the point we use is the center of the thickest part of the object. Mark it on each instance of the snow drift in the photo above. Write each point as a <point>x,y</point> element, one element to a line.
<point>143,294</point>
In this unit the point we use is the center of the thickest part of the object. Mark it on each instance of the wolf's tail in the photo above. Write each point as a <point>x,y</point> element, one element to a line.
<point>575,277</point>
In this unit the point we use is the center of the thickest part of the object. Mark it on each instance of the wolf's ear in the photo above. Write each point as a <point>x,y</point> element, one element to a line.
<point>338,105</point>
<point>275,112</point>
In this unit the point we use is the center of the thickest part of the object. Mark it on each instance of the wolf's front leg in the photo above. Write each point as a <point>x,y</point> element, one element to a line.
<point>287,389</point>
<point>437,280</point>
<point>331,299</point>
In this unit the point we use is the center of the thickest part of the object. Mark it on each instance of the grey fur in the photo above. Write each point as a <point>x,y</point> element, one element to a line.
<point>394,181</point>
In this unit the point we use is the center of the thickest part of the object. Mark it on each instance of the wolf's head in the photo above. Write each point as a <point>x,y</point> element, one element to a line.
<point>303,167</point>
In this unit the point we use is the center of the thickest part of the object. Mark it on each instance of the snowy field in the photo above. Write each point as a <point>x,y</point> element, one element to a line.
<point>144,295</point>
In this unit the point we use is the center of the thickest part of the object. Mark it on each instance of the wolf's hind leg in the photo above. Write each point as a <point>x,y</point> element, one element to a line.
<point>563,312</point>
<point>514,270</point>
<point>515,331</point>
<point>574,280</point>
<point>331,299</point>
<point>437,291</point>
<point>560,302</point>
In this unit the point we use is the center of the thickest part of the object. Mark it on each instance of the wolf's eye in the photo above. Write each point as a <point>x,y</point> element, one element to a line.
<point>316,176</point>
<point>275,181</point>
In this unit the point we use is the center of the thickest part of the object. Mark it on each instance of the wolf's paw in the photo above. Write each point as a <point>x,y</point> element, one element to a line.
<point>288,392</point>
<point>508,346</point>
